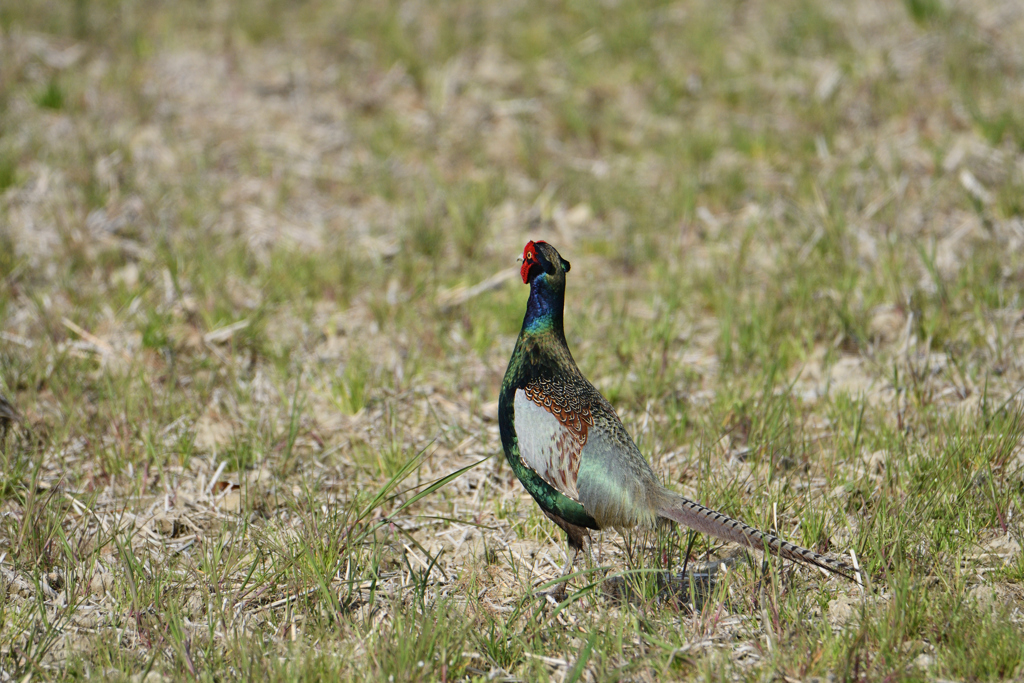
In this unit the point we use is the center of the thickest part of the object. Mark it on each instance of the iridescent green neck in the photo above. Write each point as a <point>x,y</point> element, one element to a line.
<point>544,309</point>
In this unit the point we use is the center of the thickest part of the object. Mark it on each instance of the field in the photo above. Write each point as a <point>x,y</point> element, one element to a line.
<point>258,291</point>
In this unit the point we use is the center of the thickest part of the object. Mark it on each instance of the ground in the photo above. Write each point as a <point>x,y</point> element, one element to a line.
<point>259,291</point>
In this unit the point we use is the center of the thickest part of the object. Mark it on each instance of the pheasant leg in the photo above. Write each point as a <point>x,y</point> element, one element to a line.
<point>575,535</point>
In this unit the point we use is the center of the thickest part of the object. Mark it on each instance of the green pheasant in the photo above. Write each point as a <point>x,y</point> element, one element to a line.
<point>571,452</point>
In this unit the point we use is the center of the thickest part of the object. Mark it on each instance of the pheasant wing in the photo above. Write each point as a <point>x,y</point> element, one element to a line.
<point>551,430</point>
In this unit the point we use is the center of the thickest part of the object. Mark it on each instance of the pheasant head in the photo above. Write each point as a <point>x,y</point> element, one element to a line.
<point>540,258</point>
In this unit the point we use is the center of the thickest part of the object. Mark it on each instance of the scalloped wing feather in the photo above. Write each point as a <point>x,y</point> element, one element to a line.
<point>551,440</point>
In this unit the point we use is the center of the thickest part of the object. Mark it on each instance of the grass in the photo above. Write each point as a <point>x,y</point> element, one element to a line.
<point>238,251</point>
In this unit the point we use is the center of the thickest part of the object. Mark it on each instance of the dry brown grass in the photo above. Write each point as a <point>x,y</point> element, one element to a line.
<point>257,268</point>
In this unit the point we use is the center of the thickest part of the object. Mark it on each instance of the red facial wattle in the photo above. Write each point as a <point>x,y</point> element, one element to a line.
<point>529,259</point>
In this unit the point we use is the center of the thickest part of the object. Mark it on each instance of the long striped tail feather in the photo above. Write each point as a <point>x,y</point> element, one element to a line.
<point>708,521</point>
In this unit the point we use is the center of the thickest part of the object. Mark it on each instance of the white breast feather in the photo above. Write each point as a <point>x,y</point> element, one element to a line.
<point>546,447</point>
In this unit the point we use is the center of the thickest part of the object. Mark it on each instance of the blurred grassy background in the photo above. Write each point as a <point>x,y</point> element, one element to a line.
<point>258,257</point>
